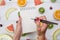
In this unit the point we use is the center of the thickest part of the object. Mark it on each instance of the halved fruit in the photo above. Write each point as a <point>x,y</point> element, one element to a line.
<point>10,28</point>
<point>9,11</point>
<point>57,14</point>
<point>21,3</point>
<point>55,34</point>
<point>5,37</point>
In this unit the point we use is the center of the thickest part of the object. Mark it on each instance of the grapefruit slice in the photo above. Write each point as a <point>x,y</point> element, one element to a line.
<point>10,28</point>
<point>38,2</point>
<point>55,34</point>
<point>57,14</point>
<point>5,37</point>
<point>9,11</point>
<point>21,3</point>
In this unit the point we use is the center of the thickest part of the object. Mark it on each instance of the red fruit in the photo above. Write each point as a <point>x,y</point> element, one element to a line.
<point>38,2</point>
<point>10,28</point>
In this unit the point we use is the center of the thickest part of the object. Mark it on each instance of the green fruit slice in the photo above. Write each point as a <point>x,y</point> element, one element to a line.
<point>50,26</point>
<point>41,10</point>
<point>9,11</point>
<point>53,1</point>
<point>5,37</point>
<point>55,34</point>
<point>19,14</point>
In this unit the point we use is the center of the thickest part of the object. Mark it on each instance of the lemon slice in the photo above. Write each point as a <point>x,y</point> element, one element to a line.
<point>21,3</point>
<point>5,37</point>
<point>57,14</point>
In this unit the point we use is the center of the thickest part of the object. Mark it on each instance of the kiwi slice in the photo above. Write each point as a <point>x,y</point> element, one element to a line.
<point>50,26</point>
<point>41,10</point>
<point>53,1</point>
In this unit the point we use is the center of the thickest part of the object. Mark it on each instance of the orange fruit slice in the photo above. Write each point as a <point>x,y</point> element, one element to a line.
<point>41,24</point>
<point>57,14</point>
<point>21,3</point>
<point>10,28</point>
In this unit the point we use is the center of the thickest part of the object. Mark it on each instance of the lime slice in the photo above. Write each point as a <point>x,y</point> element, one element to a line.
<point>5,37</point>
<point>41,10</point>
<point>50,26</point>
<point>55,34</point>
<point>53,1</point>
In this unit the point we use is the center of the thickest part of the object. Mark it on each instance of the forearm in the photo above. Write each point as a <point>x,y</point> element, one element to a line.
<point>17,34</point>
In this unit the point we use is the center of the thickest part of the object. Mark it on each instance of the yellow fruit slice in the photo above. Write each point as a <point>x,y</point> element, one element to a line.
<point>5,37</point>
<point>57,14</point>
<point>9,11</point>
<point>41,24</point>
<point>21,3</point>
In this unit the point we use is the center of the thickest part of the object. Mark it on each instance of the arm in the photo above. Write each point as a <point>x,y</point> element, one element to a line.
<point>18,31</point>
<point>41,30</point>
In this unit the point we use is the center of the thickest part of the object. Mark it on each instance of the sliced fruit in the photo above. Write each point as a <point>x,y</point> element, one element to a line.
<point>5,37</point>
<point>2,2</point>
<point>41,24</point>
<point>21,3</point>
<point>38,2</point>
<point>19,14</point>
<point>50,26</point>
<point>53,1</point>
<point>55,34</point>
<point>41,10</point>
<point>57,14</point>
<point>9,11</point>
<point>10,28</point>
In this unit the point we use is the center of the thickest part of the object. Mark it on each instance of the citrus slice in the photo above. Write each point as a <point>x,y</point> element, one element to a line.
<point>21,3</point>
<point>55,34</point>
<point>57,14</point>
<point>50,26</point>
<point>10,28</point>
<point>41,10</point>
<point>9,11</point>
<point>53,1</point>
<point>5,37</point>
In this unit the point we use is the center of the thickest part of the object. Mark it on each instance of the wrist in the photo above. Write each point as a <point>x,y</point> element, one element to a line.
<point>41,37</point>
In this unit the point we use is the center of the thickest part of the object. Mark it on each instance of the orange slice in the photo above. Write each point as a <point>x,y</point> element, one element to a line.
<point>10,28</point>
<point>57,14</point>
<point>21,3</point>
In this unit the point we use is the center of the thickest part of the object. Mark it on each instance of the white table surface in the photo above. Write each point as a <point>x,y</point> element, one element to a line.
<point>27,14</point>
